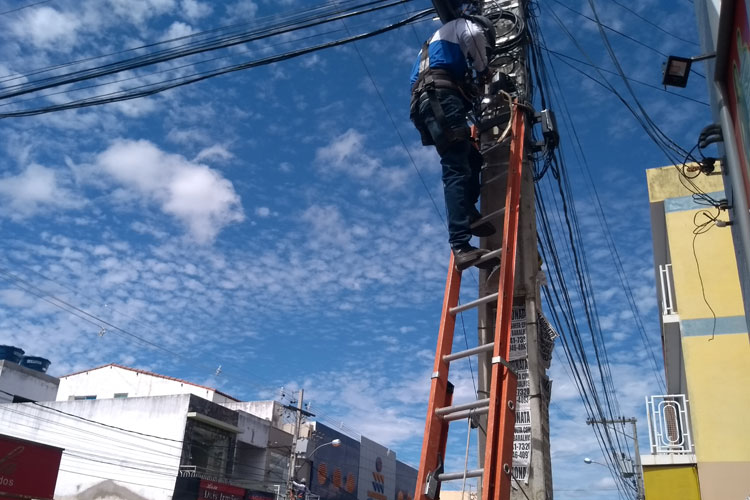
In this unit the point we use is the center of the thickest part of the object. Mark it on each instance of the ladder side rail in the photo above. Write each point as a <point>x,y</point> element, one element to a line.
<point>503,382</point>
<point>436,429</point>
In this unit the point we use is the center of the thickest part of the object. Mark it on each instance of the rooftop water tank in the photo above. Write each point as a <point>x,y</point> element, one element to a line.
<point>11,353</point>
<point>36,363</point>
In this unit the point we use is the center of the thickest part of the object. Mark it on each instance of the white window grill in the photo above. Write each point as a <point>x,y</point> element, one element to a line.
<point>668,424</point>
<point>668,306</point>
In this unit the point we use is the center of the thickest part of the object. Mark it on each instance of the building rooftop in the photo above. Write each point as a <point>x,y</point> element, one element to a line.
<point>151,374</point>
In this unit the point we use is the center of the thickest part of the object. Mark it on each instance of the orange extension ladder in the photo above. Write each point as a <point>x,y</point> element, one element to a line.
<point>500,405</point>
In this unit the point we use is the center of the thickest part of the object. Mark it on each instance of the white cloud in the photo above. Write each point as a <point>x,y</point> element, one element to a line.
<point>262,211</point>
<point>178,30</point>
<point>138,11</point>
<point>346,154</point>
<point>193,9</point>
<point>215,152</point>
<point>48,28</point>
<point>201,198</point>
<point>36,188</point>
<point>242,10</point>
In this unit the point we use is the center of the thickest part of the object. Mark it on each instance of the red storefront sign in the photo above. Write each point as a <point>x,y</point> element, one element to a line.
<point>210,490</point>
<point>28,469</point>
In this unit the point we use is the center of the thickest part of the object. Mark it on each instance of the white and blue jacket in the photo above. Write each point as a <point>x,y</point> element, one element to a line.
<point>456,45</point>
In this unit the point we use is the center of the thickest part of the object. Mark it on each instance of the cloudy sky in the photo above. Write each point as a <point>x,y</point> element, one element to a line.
<point>279,222</point>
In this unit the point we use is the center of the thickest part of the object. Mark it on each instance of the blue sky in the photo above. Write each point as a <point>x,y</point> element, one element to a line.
<point>272,223</point>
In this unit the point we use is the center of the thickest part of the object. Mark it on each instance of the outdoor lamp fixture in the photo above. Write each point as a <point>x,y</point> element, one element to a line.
<point>677,70</point>
<point>335,443</point>
<point>589,461</point>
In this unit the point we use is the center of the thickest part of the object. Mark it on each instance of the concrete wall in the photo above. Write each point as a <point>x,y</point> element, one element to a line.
<point>26,383</point>
<point>101,461</point>
<point>267,410</point>
<point>672,483</point>
<point>716,351</point>
<point>106,381</point>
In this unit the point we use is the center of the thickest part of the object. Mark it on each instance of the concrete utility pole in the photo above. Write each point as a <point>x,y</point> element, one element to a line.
<point>295,437</point>
<point>641,495</point>
<point>531,464</point>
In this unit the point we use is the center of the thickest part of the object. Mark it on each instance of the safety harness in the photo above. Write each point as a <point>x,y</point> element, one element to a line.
<point>428,81</point>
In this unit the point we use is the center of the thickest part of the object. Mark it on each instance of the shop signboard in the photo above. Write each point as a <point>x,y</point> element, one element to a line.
<point>211,490</point>
<point>377,471</point>
<point>28,469</point>
<point>737,80</point>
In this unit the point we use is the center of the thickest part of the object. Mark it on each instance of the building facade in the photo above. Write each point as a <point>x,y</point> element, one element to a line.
<point>700,443</point>
<point>130,434</point>
<point>724,31</point>
<point>354,469</point>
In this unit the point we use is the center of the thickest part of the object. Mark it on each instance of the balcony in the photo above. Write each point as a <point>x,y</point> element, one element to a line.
<point>200,472</point>
<point>668,306</point>
<point>669,425</point>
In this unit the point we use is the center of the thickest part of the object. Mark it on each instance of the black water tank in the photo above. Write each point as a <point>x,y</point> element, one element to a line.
<point>11,353</point>
<point>36,363</point>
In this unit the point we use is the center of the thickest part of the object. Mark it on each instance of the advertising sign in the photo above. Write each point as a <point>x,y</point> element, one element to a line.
<point>738,87</point>
<point>377,471</point>
<point>334,469</point>
<point>519,361</point>
<point>28,469</point>
<point>211,490</point>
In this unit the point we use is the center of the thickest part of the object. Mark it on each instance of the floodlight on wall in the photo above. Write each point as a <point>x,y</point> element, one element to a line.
<point>677,69</point>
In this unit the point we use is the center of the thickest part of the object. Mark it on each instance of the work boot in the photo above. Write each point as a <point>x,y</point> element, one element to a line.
<point>467,256</point>
<point>482,230</point>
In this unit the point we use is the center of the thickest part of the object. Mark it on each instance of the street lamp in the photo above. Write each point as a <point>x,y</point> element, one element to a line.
<point>589,461</point>
<point>335,443</point>
<point>301,486</point>
<point>677,69</point>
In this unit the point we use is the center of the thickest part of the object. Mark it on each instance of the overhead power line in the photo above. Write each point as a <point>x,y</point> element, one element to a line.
<point>148,89</point>
<point>24,7</point>
<point>564,57</point>
<point>651,23</point>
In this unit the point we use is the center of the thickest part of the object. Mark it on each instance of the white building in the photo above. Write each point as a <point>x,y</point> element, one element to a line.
<point>134,435</point>
<point>20,384</point>
<point>116,381</point>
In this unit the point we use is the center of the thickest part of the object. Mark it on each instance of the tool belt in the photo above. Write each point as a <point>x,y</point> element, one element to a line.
<point>429,80</point>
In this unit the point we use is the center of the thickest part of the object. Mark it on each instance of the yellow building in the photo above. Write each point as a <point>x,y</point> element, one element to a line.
<point>699,430</point>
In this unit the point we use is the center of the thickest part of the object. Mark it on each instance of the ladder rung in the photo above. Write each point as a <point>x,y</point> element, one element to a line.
<point>452,476</point>
<point>460,415</point>
<point>495,146</point>
<point>488,217</point>
<point>500,177</point>
<point>468,352</point>
<point>466,406</point>
<point>494,254</point>
<point>474,303</point>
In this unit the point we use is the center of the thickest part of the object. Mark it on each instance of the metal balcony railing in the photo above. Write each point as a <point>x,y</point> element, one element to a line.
<point>201,472</point>
<point>668,307</point>
<point>669,425</point>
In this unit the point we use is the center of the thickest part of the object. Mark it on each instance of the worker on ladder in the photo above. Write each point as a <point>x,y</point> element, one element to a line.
<point>443,89</point>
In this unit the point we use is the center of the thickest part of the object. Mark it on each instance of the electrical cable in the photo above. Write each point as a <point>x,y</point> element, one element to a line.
<point>648,21</point>
<point>698,230</point>
<point>560,56</point>
<point>167,84</point>
<point>624,35</point>
<point>24,7</point>
<point>610,242</point>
